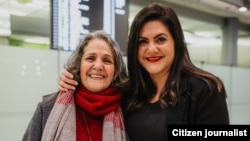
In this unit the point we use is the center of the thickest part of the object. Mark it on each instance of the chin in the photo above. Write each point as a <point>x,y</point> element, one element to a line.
<point>97,89</point>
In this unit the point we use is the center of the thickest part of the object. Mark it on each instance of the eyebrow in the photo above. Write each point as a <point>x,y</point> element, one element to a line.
<point>162,34</point>
<point>105,55</point>
<point>108,55</point>
<point>140,37</point>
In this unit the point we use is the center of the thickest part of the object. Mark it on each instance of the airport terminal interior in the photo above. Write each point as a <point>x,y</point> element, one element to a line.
<point>33,54</point>
<point>206,25</point>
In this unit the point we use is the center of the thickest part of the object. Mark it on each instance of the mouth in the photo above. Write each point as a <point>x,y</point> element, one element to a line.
<point>96,76</point>
<point>153,59</point>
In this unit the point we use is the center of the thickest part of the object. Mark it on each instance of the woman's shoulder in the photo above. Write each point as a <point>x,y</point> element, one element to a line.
<point>194,81</point>
<point>205,102</point>
<point>49,99</point>
<point>196,86</point>
<point>201,87</point>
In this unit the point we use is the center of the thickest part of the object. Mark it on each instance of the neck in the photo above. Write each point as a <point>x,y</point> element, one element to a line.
<point>160,82</point>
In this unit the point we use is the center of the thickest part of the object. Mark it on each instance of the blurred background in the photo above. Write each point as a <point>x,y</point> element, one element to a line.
<point>37,37</point>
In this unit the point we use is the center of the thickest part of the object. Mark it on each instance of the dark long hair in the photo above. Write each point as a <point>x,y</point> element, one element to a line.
<point>142,87</point>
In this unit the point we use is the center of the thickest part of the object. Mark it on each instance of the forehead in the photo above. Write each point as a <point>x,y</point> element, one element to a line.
<point>153,26</point>
<point>97,45</point>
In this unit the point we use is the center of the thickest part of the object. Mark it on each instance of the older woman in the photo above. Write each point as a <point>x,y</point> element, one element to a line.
<point>92,111</point>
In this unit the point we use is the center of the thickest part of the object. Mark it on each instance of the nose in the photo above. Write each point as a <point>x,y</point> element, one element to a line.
<point>152,47</point>
<point>98,65</point>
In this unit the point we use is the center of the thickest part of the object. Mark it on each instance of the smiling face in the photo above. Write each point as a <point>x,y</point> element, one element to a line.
<point>97,65</point>
<point>156,49</point>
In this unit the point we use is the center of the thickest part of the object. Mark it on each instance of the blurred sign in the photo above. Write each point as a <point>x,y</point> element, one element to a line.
<point>71,20</point>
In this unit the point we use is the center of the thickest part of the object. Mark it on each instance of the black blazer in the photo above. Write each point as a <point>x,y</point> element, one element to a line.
<point>198,105</point>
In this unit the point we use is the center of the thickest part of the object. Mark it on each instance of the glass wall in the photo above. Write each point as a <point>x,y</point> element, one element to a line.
<point>27,74</point>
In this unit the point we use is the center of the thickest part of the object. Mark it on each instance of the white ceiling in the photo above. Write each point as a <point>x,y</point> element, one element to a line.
<point>204,17</point>
<point>25,20</point>
<point>29,21</point>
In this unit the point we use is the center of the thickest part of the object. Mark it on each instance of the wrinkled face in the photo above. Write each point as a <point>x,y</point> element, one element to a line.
<point>97,65</point>
<point>156,49</point>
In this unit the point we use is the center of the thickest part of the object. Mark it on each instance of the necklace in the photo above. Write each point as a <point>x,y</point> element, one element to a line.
<point>86,124</point>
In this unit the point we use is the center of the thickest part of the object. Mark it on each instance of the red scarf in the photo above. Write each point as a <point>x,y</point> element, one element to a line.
<point>95,106</point>
<point>99,103</point>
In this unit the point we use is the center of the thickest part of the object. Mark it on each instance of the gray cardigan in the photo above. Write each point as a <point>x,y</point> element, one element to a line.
<point>35,128</point>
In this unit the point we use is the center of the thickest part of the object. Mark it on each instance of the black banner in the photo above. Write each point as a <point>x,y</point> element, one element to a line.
<point>208,132</point>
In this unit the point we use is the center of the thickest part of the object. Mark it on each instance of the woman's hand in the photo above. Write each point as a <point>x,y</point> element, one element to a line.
<point>66,81</point>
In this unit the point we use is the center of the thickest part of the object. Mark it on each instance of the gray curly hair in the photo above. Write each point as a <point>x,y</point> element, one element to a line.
<point>120,79</point>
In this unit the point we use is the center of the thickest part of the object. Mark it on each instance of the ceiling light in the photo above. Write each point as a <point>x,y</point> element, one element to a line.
<point>242,9</point>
